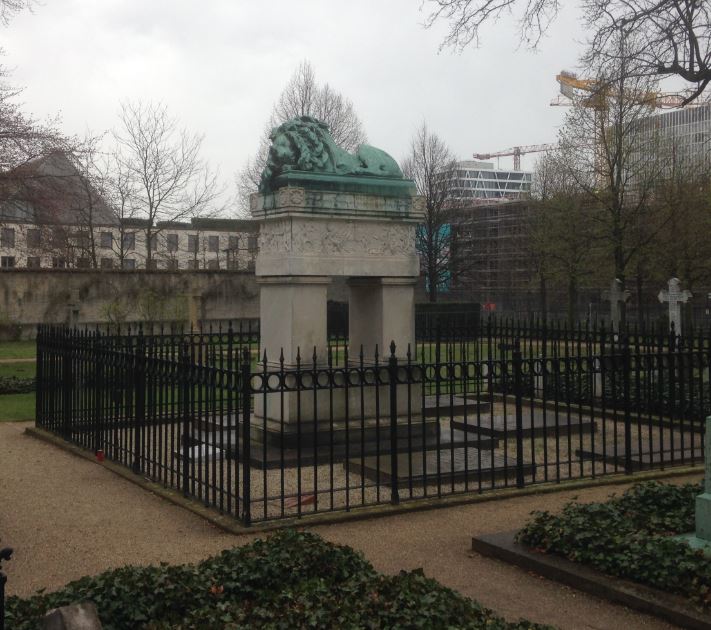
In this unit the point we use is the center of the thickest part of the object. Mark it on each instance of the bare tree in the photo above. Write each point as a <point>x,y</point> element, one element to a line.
<point>683,249</point>
<point>673,36</point>
<point>610,150</point>
<point>8,8</point>
<point>161,162</point>
<point>561,231</point>
<point>431,165</point>
<point>303,96</point>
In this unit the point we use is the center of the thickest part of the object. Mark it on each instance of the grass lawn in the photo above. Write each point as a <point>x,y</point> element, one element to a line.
<point>18,349</point>
<point>17,407</point>
<point>18,370</point>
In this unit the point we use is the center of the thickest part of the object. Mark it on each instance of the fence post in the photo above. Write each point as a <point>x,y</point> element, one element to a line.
<point>185,390</point>
<point>39,377</point>
<point>67,385</point>
<point>246,394</point>
<point>98,386</point>
<point>518,391</point>
<point>139,383</point>
<point>626,368</point>
<point>392,369</point>
<point>5,554</point>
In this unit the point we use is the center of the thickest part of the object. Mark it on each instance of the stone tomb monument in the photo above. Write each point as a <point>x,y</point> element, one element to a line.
<point>675,297</point>
<point>616,297</point>
<point>701,537</point>
<point>322,213</point>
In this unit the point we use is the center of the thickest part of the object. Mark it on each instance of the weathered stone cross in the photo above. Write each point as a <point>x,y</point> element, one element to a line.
<point>616,296</point>
<point>675,297</point>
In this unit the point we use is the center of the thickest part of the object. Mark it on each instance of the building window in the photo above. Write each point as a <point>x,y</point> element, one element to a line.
<point>58,238</point>
<point>152,264</point>
<point>34,238</point>
<point>128,263</point>
<point>172,242</point>
<point>153,242</point>
<point>213,243</point>
<point>83,263</point>
<point>107,263</point>
<point>107,240</point>
<point>233,243</point>
<point>232,262</point>
<point>129,241</point>
<point>250,265</point>
<point>193,264</point>
<point>58,263</point>
<point>171,264</point>
<point>7,238</point>
<point>7,262</point>
<point>252,243</point>
<point>33,262</point>
<point>192,243</point>
<point>81,240</point>
<point>213,264</point>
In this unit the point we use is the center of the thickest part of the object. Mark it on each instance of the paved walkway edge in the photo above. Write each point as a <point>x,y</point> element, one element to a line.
<point>233,526</point>
<point>649,600</point>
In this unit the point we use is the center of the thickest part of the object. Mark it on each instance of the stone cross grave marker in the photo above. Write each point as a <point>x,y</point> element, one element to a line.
<point>616,296</point>
<point>675,297</point>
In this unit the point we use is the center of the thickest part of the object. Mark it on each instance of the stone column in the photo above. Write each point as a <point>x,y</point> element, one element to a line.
<point>292,316</point>
<point>380,311</point>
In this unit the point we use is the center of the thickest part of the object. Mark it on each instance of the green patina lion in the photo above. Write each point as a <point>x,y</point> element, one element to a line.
<point>305,144</point>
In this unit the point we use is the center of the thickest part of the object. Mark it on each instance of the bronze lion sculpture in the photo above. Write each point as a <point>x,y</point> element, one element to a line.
<point>305,144</point>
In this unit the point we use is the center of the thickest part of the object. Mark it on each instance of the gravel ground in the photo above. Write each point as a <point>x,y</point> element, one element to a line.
<point>67,517</point>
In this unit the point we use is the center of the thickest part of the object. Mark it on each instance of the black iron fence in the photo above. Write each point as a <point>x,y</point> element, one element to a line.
<point>263,440</point>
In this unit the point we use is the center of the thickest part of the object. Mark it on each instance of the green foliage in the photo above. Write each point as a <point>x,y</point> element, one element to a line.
<point>630,536</point>
<point>16,407</point>
<point>16,385</point>
<point>291,580</point>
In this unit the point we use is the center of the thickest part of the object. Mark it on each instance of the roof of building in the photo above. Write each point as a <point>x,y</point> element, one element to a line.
<point>50,190</point>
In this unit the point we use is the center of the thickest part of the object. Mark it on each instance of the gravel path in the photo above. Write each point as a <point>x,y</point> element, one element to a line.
<point>67,517</point>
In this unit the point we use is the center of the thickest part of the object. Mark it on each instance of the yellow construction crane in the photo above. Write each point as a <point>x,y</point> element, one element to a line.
<point>571,86</point>
<point>517,152</point>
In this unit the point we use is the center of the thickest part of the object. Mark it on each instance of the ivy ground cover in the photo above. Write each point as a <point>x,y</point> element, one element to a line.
<point>290,580</point>
<point>631,536</point>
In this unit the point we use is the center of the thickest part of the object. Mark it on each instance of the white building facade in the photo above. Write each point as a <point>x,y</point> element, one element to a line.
<point>480,182</point>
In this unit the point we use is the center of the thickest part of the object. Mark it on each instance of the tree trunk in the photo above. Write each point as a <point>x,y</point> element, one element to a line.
<point>544,298</point>
<point>572,300</point>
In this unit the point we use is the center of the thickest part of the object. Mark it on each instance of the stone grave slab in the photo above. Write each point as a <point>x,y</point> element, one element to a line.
<point>663,451</point>
<point>542,424</point>
<point>209,444</point>
<point>455,465</point>
<point>446,407</point>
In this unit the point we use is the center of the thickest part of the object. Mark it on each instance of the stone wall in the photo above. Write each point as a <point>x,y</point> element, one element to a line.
<point>32,296</point>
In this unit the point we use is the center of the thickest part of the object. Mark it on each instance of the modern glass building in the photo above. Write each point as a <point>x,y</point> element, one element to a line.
<point>681,137</point>
<point>481,182</point>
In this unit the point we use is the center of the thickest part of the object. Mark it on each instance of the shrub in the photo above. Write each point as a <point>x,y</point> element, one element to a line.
<point>291,580</point>
<point>16,385</point>
<point>631,536</point>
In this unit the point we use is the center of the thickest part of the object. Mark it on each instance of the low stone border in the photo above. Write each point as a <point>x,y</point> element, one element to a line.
<point>646,599</point>
<point>233,526</point>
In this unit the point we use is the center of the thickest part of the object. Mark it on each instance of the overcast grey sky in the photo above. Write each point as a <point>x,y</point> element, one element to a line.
<point>220,64</point>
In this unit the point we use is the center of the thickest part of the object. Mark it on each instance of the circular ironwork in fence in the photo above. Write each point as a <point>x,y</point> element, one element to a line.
<point>306,380</point>
<point>323,379</point>
<point>339,378</point>
<point>354,377</point>
<point>275,382</point>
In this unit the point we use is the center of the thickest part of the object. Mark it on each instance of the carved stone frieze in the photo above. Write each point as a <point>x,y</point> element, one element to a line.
<point>335,238</point>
